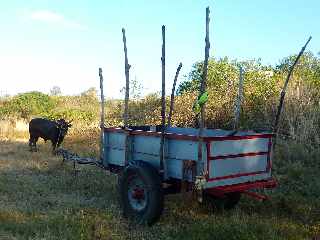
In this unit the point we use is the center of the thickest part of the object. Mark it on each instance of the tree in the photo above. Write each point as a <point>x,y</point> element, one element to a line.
<point>221,74</point>
<point>307,69</point>
<point>136,88</point>
<point>55,91</point>
<point>91,93</point>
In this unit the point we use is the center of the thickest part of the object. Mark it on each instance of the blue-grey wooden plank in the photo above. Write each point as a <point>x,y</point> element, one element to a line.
<point>208,132</point>
<point>116,139</point>
<point>239,165</point>
<point>146,148</point>
<point>116,157</point>
<point>146,144</point>
<point>154,160</point>
<point>174,168</point>
<point>182,149</point>
<point>114,148</point>
<point>233,147</point>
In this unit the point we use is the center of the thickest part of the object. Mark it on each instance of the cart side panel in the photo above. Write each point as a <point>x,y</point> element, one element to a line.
<point>177,152</point>
<point>146,148</point>
<point>114,148</point>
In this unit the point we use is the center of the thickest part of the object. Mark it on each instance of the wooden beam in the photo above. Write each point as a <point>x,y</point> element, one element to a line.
<point>283,92</point>
<point>172,94</point>
<point>203,87</point>
<point>238,100</point>
<point>102,116</point>
<point>205,68</point>
<point>163,101</point>
<point>127,68</point>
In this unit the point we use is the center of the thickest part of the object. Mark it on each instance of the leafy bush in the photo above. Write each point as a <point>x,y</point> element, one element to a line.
<point>262,86</point>
<point>27,104</point>
<point>83,108</point>
<point>72,114</point>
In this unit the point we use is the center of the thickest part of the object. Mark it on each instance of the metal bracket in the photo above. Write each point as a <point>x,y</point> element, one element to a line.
<point>199,186</point>
<point>189,168</point>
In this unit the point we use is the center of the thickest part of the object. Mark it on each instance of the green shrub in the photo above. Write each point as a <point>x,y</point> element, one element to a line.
<point>26,105</point>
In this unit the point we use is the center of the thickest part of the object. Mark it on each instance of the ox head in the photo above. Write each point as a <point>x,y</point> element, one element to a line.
<point>63,125</point>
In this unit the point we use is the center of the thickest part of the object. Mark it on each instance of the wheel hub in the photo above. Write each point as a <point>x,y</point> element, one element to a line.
<point>138,194</point>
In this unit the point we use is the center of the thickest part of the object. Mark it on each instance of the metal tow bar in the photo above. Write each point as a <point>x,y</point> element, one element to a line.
<point>70,156</point>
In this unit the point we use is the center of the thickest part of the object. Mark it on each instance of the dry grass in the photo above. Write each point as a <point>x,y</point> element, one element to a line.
<point>43,199</point>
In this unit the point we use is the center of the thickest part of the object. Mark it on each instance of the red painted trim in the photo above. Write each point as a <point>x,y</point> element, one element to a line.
<point>214,192</point>
<point>252,154</point>
<point>155,134</point>
<point>241,187</point>
<point>182,137</point>
<point>236,175</point>
<point>224,138</point>
<point>145,133</point>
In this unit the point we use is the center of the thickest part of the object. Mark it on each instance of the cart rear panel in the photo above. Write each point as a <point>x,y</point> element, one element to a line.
<point>238,159</point>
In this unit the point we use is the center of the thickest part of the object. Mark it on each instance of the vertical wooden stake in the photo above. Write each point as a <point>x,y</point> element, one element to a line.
<point>172,94</point>
<point>102,117</point>
<point>203,88</point>
<point>127,68</point>
<point>238,101</point>
<point>126,99</point>
<point>283,93</point>
<point>205,68</point>
<point>163,101</point>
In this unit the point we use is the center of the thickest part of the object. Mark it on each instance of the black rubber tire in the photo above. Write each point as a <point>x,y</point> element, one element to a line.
<point>229,201</point>
<point>153,190</point>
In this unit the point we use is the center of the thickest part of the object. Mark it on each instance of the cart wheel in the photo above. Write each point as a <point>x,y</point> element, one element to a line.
<point>141,195</point>
<point>231,200</point>
<point>228,202</point>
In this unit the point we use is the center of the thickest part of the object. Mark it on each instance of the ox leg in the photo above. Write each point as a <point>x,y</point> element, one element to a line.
<point>54,145</point>
<point>30,144</point>
<point>33,143</point>
<point>35,139</point>
<point>59,143</point>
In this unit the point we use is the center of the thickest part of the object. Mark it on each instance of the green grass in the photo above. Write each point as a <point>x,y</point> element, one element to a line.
<point>43,199</point>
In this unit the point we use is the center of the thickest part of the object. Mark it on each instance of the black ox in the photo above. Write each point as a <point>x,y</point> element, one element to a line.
<point>55,131</point>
